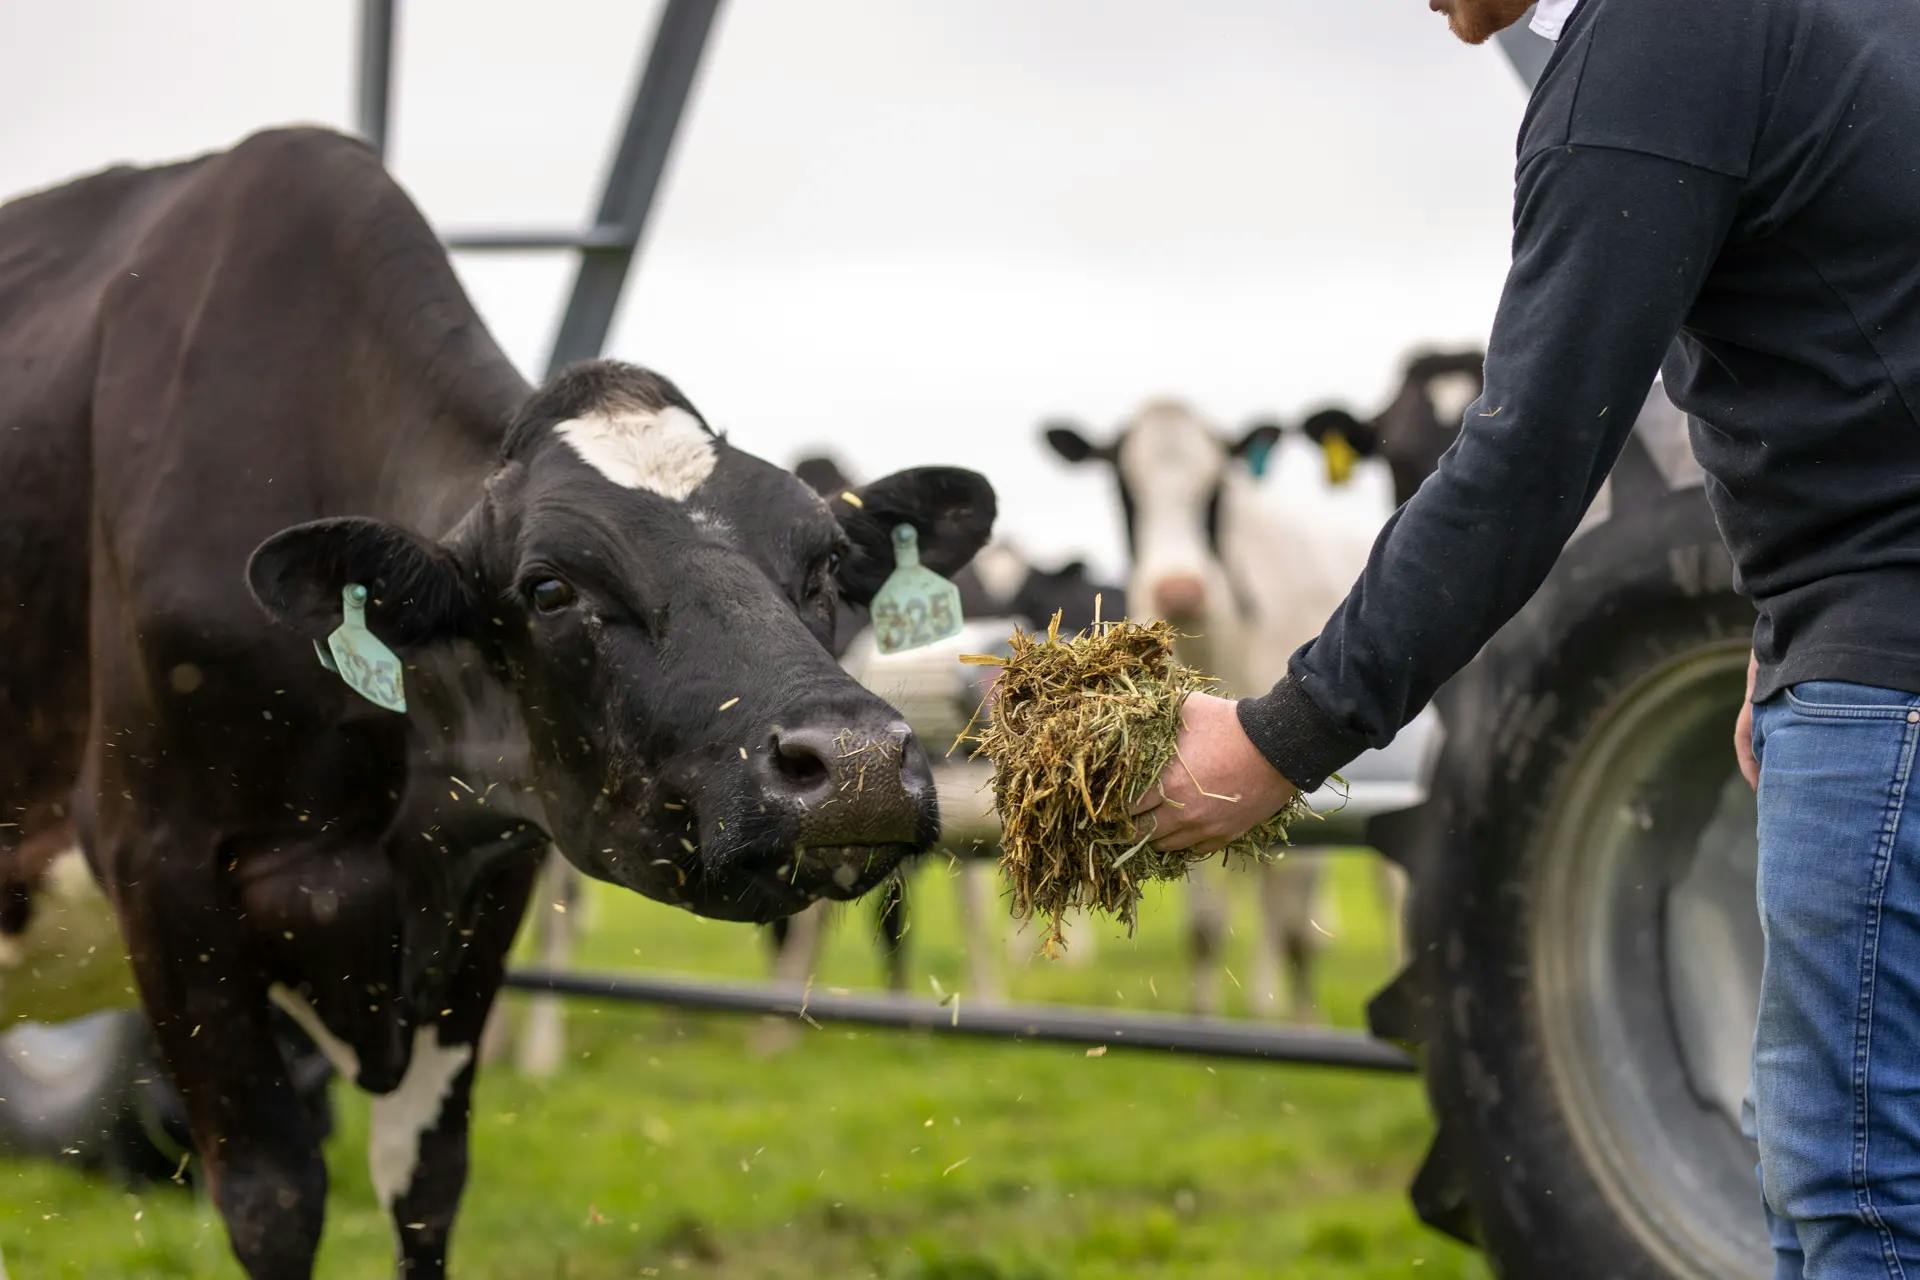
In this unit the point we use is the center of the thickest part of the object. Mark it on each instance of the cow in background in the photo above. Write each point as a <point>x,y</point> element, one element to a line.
<point>1248,571</point>
<point>1418,424</point>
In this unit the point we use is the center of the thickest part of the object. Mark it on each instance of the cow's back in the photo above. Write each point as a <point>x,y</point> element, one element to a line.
<point>195,358</point>
<point>60,253</point>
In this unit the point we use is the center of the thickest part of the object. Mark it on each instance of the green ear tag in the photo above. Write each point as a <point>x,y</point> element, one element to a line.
<point>915,606</point>
<point>369,667</point>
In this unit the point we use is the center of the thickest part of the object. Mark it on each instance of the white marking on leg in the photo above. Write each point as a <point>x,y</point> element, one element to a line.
<point>664,451</point>
<point>338,1051</point>
<point>402,1117</point>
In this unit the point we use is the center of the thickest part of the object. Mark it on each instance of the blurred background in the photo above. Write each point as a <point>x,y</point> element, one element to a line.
<point>903,231</point>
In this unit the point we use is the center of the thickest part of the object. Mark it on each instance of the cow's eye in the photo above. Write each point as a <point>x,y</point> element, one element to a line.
<point>820,581</point>
<point>550,595</point>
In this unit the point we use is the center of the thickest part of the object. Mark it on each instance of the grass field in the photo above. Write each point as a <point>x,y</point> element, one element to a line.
<point>671,1147</point>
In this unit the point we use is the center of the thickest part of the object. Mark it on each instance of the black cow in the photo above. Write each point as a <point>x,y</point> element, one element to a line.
<point>251,380</point>
<point>1419,423</point>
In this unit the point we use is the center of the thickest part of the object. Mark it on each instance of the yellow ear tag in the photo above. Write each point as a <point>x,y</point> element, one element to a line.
<point>1341,455</point>
<point>369,667</point>
<point>915,606</point>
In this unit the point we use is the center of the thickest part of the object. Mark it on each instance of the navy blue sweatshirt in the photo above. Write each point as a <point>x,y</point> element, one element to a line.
<point>1744,176</point>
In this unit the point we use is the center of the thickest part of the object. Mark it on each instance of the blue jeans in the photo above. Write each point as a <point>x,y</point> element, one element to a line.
<point>1836,1057</point>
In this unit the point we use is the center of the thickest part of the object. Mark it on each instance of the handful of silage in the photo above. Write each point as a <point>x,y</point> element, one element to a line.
<point>1080,728</point>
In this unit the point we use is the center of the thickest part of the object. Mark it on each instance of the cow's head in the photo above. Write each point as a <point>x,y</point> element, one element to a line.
<point>1174,469</point>
<point>656,603</point>
<point>1421,421</point>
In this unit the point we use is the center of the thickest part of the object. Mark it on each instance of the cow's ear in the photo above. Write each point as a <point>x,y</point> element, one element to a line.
<point>1256,446</point>
<point>1065,439</point>
<point>952,510</point>
<point>416,590</point>
<point>1326,422</point>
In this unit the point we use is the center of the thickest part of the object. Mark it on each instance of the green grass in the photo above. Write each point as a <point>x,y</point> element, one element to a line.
<point>672,1147</point>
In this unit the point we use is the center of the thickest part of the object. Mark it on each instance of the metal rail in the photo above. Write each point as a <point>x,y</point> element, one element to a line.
<point>373,92</point>
<point>1061,1024</point>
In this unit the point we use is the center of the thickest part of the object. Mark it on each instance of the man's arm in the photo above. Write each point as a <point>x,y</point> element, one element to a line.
<point>1610,249</point>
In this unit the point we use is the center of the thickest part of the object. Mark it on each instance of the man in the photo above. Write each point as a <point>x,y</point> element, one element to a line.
<point>1744,176</point>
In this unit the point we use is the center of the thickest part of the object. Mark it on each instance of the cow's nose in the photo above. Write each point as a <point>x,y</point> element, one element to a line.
<point>1180,597</point>
<point>812,764</point>
<point>851,782</point>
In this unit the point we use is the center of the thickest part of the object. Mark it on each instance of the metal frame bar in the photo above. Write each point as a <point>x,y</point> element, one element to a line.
<point>1060,1024</point>
<point>638,164</point>
<point>633,178</point>
<point>373,92</point>
<point>515,239</point>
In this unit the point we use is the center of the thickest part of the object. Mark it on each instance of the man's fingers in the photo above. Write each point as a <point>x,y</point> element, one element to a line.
<point>1170,835</point>
<point>1150,799</point>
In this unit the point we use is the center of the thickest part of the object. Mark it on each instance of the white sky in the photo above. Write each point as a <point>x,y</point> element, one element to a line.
<point>910,229</point>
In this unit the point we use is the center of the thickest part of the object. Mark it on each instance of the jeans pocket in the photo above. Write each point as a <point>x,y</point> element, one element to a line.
<point>1843,700</point>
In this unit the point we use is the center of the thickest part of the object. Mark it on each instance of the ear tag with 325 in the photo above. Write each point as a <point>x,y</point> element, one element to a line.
<point>356,655</point>
<point>915,606</point>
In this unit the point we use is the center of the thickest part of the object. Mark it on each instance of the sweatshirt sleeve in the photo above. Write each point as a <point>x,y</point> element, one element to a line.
<point>1611,247</point>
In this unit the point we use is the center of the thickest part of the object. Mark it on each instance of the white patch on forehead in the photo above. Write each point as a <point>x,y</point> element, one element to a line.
<point>338,1052</point>
<point>1450,394</point>
<point>1170,455</point>
<point>400,1118</point>
<point>664,451</point>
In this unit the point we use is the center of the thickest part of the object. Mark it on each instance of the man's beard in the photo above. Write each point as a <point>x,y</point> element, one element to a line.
<point>1477,21</point>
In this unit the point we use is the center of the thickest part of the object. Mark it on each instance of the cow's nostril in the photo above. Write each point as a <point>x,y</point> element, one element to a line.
<point>799,763</point>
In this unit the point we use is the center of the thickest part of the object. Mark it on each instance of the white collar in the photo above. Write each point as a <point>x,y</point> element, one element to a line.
<point>1550,16</point>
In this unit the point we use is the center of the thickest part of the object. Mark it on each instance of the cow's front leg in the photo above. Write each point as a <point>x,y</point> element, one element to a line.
<point>257,1142</point>
<point>418,1144</point>
<point>418,1150</point>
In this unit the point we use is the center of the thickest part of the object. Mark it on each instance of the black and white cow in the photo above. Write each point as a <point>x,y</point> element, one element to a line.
<point>1419,423</point>
<point>1247,546</point>
<point>235,388</point>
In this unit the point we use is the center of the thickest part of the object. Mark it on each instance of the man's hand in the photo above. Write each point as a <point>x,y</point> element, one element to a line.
<point>1218,787</point>
<point>1743,729</point>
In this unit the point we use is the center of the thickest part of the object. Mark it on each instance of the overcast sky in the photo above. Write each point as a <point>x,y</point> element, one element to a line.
<point>908,229</point>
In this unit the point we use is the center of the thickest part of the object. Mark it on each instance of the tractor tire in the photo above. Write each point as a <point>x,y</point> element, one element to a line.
<point>1582,940</point>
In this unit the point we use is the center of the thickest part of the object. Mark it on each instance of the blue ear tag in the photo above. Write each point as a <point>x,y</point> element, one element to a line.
<point>356,655</point>
<point>915,606</point>
<point>1258,454</point>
